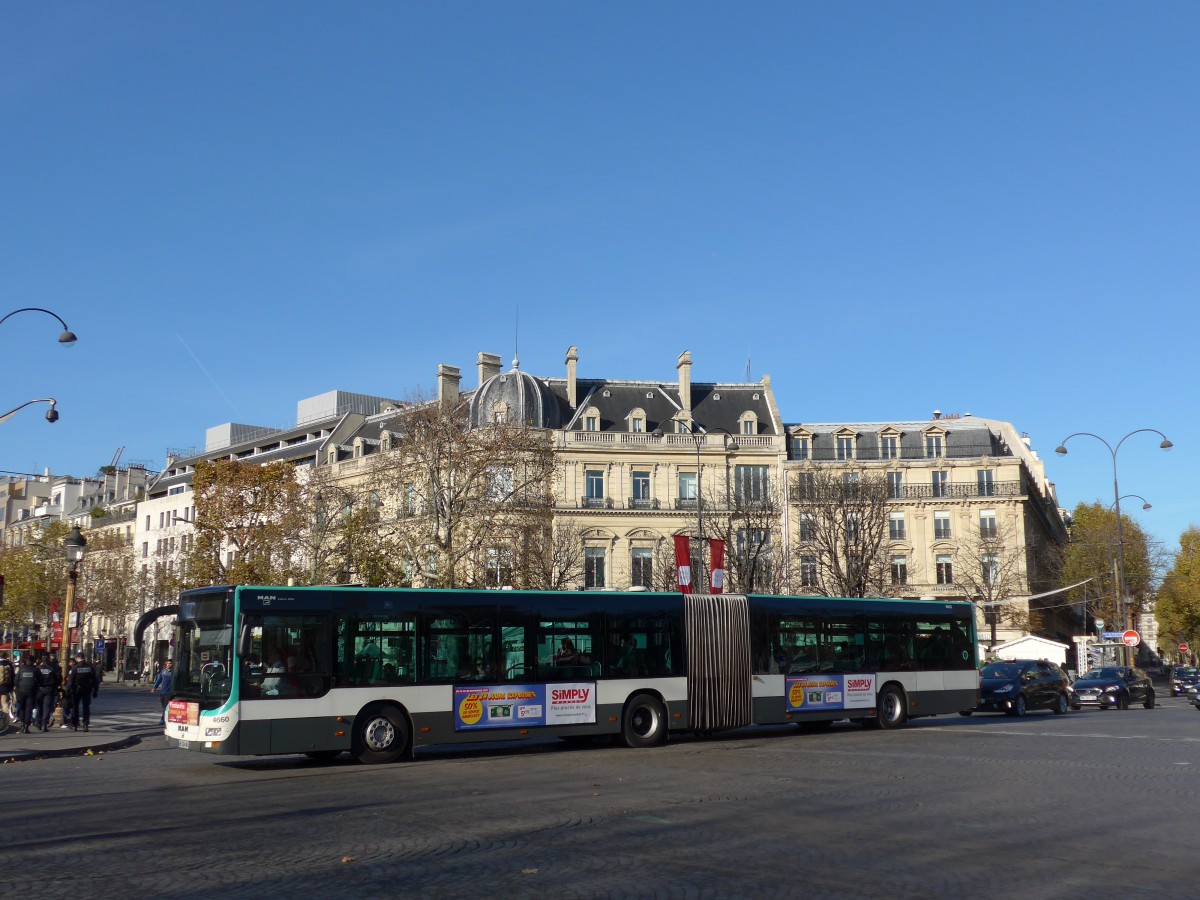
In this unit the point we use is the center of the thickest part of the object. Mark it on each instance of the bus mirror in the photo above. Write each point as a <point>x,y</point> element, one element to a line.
<point>244,641</point>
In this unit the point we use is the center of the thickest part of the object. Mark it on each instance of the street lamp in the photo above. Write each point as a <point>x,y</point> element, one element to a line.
<point>51,413</point>
<point>1145,502</point>
<point>729,444</point>
<point>1165,444</point>
<point>74,544</point>
<point>67,338</point>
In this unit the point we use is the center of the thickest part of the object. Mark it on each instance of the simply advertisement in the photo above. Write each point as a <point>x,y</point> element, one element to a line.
<point>523,705</point>
<point>811,693</point>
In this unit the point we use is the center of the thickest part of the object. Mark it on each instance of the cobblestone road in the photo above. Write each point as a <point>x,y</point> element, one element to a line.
<point>1092,804</point>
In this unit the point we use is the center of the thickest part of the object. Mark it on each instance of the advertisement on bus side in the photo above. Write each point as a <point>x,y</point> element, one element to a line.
<point>818,692</point>
<point>523,705</point>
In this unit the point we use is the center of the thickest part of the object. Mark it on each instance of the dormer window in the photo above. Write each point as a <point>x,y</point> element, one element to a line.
<point>637,421</point>
<point>591,420</point>
<point>844,444</point>
<point>889,444</point>
<point>748,423</point>
<point>499,413</point>
<point>935,444</point>
<point>801,445</point>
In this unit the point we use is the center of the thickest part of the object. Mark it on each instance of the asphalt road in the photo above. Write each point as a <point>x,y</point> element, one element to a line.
<point>1091,804</point>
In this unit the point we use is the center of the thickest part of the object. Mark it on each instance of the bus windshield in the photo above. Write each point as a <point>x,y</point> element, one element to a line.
<point>203,651</point>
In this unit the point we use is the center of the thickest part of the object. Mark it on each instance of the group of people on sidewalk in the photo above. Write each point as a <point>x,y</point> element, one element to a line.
<point>30,690</point>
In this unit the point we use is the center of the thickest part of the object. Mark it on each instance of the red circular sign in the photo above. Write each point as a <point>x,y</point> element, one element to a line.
<point>1131,638</point>
<point>1183,648</point>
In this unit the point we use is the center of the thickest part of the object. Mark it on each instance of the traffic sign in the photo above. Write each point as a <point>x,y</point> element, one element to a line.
<point>1131,638</point>
<point>1183,648</point>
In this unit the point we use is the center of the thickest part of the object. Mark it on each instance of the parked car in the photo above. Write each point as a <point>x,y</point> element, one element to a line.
<point>1015,686</point>
<point>1183,678</point>
<point>1113,687</point>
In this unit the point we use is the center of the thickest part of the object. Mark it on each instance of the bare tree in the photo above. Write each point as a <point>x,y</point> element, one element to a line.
<point>841,546</point>
<point>990,567</point>
<point>456,492</point>
<point>745,512</point>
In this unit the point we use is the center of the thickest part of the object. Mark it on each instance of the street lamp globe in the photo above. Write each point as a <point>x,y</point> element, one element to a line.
<point>74,543</point>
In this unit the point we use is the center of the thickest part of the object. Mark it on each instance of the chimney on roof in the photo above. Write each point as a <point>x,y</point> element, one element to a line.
<point>489,365</point>
<point>684,365</point>
<point>937,414</point>
<point>572,361</point>
<point>448,379</point>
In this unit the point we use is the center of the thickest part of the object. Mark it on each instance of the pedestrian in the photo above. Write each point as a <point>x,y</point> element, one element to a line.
<point>82,688</point>
<point>67,699</point>
<point>6,685</point>
<point>25,685</point>
<point>162,686</point>
<point>49,684</point>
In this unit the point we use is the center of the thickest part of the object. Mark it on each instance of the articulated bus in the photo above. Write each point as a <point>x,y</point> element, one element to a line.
<point>380,672</point>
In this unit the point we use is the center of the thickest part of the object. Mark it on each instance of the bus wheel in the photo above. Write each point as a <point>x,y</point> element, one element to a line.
<point>644,723</point>
<point>380,735</point>
<point>893,712</point>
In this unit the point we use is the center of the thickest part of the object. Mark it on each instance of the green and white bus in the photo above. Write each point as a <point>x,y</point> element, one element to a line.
<point>380,672</point>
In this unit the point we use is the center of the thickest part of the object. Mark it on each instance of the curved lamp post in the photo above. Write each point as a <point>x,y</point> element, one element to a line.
<point>51,413</point>
<point>1165,444</point>
<point>67,338</point>
<point>729,444</point>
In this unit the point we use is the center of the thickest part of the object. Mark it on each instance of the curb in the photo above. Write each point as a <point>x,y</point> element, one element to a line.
<point>90,750</point>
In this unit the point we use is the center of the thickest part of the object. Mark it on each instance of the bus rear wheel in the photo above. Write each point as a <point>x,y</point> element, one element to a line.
<point>380,736</point>
<point>892,711</point>
<point>644,722</point>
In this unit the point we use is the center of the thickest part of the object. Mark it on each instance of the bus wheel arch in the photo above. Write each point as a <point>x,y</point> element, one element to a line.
<point>891,707</point>
<point>382,734</point>
<point>644,720</point>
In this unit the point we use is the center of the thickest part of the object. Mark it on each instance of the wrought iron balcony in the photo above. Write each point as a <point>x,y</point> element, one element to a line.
<point>642,503</point>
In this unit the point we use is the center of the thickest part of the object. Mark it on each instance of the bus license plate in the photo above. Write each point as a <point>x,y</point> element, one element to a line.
<point>185,745</point>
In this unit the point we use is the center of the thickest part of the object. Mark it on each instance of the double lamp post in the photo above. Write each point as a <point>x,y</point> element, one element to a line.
<point>1061,450</point>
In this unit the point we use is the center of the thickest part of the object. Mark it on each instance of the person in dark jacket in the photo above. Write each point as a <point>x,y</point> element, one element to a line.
<point>82,687</point>
<point>25,686</point>
<point>49,683</point>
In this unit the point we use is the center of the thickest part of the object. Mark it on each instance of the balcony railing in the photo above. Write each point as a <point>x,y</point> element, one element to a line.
<point>964,491</point>
<point>595,503</point>
<point>866,453</point>
<point>641,503</point>
<point>710,442</point>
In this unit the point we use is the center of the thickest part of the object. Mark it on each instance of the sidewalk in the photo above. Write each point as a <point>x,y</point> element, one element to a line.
<point>108,732</point>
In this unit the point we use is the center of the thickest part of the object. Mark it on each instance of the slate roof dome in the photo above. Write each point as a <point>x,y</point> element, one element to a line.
<point>514,398</point>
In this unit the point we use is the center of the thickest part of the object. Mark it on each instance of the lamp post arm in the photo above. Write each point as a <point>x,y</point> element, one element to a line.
<point>51,414</point>
<point>1139,431</point>
<point>36,309</point>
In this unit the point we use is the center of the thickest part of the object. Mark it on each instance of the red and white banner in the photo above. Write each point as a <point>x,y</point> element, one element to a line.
<point>716,550</point>
<point>683,562</point>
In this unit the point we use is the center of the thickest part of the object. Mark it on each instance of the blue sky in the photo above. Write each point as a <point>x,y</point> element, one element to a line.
<point>889,208</point>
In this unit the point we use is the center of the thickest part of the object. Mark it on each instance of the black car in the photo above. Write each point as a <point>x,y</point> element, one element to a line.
<point>1113,687</point>
<point>1015,686</point>
<point>1183,678</point>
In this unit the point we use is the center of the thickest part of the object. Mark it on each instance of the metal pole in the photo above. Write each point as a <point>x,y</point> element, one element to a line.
<point>696,438</point>
<point>64,659</point>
